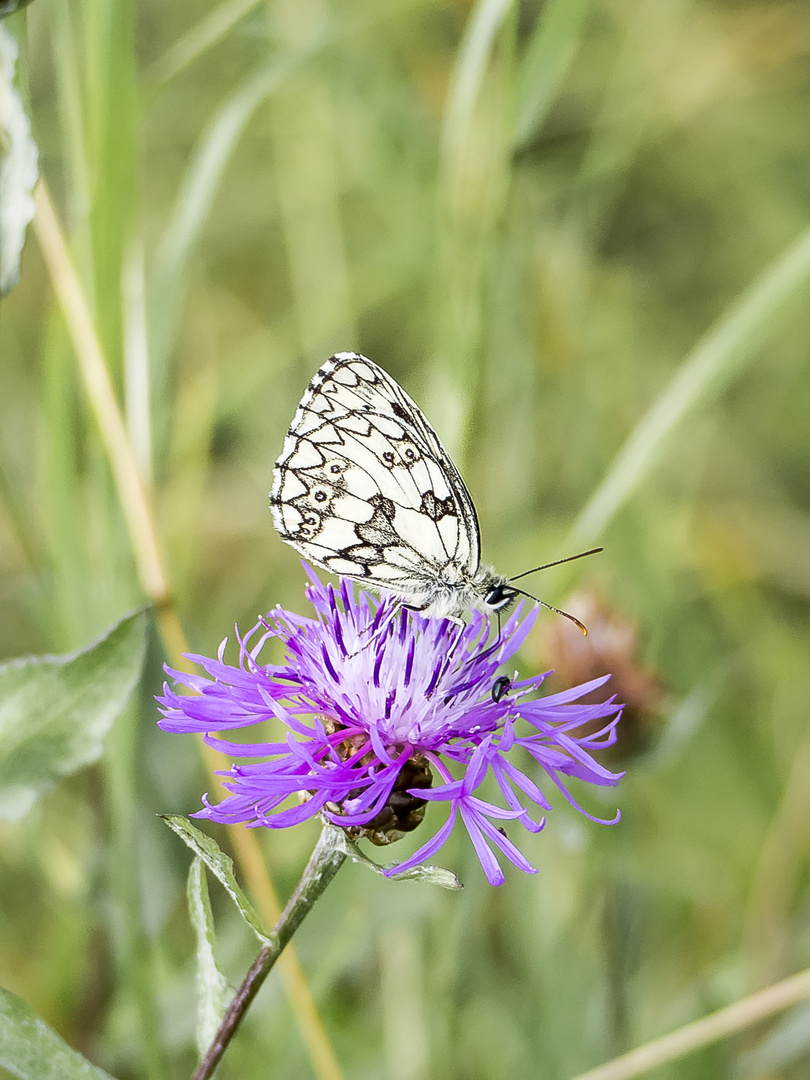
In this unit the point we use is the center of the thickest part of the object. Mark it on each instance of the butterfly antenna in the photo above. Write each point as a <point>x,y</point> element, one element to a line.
<point>559,611</point>
<point>557,562</point>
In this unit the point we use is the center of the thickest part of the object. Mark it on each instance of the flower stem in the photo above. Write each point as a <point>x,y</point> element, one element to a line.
<point>326,860</point>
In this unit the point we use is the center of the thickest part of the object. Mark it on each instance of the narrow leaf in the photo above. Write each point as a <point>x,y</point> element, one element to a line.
<point>474,54</point>
<point>213,990</point>
<point>719,356</point>
<point>548,56</point>
<point>200,185</point>
<point>30,1050</point>
<point>221,866</point>
<point>56,710</point>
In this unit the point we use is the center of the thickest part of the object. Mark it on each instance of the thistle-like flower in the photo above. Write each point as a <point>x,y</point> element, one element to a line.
<point>386,711</point>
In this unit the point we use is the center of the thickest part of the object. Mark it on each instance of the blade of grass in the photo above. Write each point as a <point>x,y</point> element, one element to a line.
<point>468,77</point>
<point>198,40</point>
<point>73,128</point>
<point>136,356</point>
<point>62,490</point>
<point>193,205</point>
<point>110,100</point>
<point>305,133</point>
<point>706,371</point>
<point>718,1025</point>
<point>473,184</point>
<point>132,494</point>
<point>652,32</point>
<point>548,56</point>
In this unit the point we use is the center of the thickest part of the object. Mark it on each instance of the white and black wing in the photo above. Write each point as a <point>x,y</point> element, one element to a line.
<point>363,486</point>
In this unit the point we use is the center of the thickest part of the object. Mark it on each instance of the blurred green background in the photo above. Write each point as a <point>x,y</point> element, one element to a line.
<point>529,213</point>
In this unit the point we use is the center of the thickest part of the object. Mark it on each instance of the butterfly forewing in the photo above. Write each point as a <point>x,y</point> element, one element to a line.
<point>364,487</point>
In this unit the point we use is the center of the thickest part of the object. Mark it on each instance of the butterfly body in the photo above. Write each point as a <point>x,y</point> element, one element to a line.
<point>364,488</point>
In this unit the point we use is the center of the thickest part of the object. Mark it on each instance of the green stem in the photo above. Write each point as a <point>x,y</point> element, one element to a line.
<point>326,860</point>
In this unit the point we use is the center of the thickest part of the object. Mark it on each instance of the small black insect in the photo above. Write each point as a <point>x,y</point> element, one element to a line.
<point>500,687</point>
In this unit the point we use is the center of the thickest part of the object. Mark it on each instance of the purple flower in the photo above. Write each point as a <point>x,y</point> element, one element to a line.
<point>386,711</point>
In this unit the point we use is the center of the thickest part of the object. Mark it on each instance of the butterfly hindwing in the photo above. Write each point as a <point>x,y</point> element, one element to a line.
<point>364,487</point>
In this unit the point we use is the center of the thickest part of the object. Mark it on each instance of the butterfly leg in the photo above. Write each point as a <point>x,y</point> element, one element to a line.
<point>492,648</point>
<point>382,629</point>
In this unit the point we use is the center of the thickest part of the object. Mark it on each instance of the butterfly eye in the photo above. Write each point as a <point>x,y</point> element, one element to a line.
<point>499,596</point>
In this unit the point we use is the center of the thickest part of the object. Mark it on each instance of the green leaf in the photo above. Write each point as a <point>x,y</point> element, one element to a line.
<point>213,990</point>
<point>435,875</point>
<point>30,1050</point>
<point>474,54</point>
<point>221,866</point>
<point>548,56</point>
<point>18,166</point>
<point>56,710</point>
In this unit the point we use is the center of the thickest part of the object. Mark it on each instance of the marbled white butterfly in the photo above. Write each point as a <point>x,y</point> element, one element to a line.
<point>364,488</point>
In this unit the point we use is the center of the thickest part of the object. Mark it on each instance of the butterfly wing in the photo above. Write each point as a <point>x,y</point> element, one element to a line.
<point>363,486</point>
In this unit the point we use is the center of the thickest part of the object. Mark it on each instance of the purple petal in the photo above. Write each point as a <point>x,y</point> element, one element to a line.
<point>428,850</point>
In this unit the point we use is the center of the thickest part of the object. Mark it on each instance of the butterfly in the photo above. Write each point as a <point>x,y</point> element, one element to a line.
<point>364,488</point>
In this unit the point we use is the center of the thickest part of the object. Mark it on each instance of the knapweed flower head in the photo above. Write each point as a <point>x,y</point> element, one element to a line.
<point>385,712</point>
